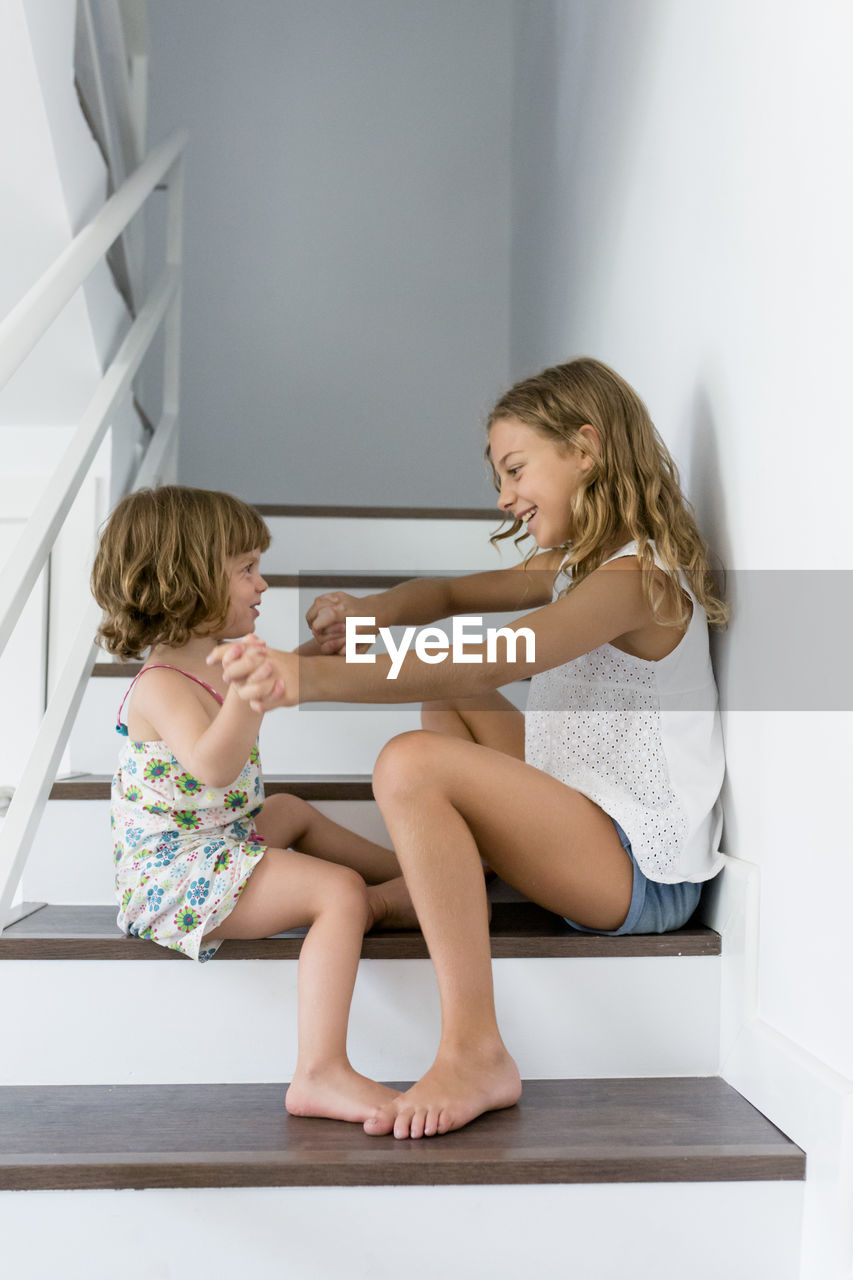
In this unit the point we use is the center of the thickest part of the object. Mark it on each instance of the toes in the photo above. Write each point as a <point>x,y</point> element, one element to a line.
<point>432,1125</point>
<point>412,1120</point>
<point>380,1122</point>
<point>402,1124</point>
<point>418,1128</point>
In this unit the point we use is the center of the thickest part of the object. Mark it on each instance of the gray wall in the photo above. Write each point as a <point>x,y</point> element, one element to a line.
<point>580,68</point>
<point>348,223</point>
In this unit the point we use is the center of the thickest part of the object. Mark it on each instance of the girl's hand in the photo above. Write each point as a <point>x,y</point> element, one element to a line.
<point>265,678</point>
<point>327,619</point>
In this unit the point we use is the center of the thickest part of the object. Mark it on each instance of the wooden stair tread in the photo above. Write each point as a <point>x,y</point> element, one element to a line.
<point>201,1135</point>
<point>518,930</point>
<point>343,579</point>
<point>379,513</point>
<point>309,786</point>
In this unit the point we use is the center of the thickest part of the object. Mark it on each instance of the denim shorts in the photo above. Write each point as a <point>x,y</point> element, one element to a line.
<point>655,908</point>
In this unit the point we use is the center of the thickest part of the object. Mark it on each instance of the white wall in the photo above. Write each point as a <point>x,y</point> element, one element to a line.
<point>347,258</point>
<point>684,213</point>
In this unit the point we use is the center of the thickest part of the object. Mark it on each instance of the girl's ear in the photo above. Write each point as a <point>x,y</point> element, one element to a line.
<point>592,452</point>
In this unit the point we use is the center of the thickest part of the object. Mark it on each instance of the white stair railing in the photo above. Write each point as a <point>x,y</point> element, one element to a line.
<point>19,333</point>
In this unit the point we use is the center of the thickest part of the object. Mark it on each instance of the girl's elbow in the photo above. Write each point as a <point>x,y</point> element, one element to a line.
<point>484,679</point>
<point>218,778</point>
<point>218,781</point>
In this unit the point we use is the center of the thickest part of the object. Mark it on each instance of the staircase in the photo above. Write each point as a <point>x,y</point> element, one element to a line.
<point>165,1081</point>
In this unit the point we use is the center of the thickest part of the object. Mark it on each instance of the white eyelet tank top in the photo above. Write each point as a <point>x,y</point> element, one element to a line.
<point>643,740</point>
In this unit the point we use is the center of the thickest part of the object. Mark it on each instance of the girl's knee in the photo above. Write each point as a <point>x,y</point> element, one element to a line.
<point>288,808</point>
<point>404,761</point>
<point>346,892</point>
<point>284,819</point>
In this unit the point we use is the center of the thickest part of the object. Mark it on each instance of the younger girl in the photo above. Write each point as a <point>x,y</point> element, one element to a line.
<point>601,804</point>
<point>200,855</point>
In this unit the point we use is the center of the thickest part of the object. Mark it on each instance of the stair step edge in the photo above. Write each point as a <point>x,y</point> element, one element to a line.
<point>310,786</point>
<point>519,930</point>
<point>688,1129</point>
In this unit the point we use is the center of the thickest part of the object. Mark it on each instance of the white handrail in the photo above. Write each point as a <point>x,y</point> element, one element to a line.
<point>19,827</point>
<point>19,574</point>
<point>19,333</point>
<point>27,321</point>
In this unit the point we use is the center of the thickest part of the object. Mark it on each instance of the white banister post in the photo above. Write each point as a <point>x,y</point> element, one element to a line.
<point>21,822</point>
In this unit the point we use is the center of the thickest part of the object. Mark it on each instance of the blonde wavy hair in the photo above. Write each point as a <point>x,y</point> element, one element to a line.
<point>632,486</point>
<point>161,570</point>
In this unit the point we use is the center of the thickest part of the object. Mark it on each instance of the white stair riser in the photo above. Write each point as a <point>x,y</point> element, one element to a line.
<point>301,544</point>
<point>71,860</point>
<point>114,1022</point>
<point>740,1230</point>
<point>314,739</point>
<point>300,740</point>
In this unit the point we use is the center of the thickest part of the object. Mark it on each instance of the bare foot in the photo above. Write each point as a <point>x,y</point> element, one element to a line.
<point>336,1092</point>
<point>452,1093</point>
<point>391,906</point>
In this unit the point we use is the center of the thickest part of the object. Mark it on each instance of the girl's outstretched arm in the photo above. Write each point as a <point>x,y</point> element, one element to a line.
<point>606,605</point>
<point>423,600</point>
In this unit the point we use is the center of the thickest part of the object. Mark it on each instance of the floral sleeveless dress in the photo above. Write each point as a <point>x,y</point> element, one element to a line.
<point>183,851</point>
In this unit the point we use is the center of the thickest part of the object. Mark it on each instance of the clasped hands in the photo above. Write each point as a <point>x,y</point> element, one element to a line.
<point>268,678</point>
<point>265,678</point>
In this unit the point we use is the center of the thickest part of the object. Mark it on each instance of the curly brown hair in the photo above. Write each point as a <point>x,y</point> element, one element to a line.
<point>160,573</point>
<point>633,485</point>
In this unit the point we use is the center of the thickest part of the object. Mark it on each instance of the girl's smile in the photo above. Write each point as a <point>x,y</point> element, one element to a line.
<point>246,586</point>
<point>538,479</point>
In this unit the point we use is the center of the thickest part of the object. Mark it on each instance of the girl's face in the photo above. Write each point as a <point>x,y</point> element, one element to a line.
<point>246,586</point>
<point>538,478</point>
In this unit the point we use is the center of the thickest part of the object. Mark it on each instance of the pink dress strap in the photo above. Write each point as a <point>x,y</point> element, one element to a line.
<point>161,666</point>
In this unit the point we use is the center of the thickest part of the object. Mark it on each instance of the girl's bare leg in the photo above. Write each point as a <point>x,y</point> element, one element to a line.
<point>490,719</point>
<point>287,822</point>
<point>285,891</point>
<point>445,802</point>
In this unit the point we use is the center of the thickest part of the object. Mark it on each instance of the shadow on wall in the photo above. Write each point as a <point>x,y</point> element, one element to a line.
<point>709,503</point>
<point>581,75</point>
<point>705,476</point>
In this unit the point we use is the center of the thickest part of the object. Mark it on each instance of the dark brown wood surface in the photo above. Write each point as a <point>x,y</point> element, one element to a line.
<point>341,581</point>
<point>204,1135</point>
<point>309,786</point>
<point>381,513</point>
<point>518,930</point>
